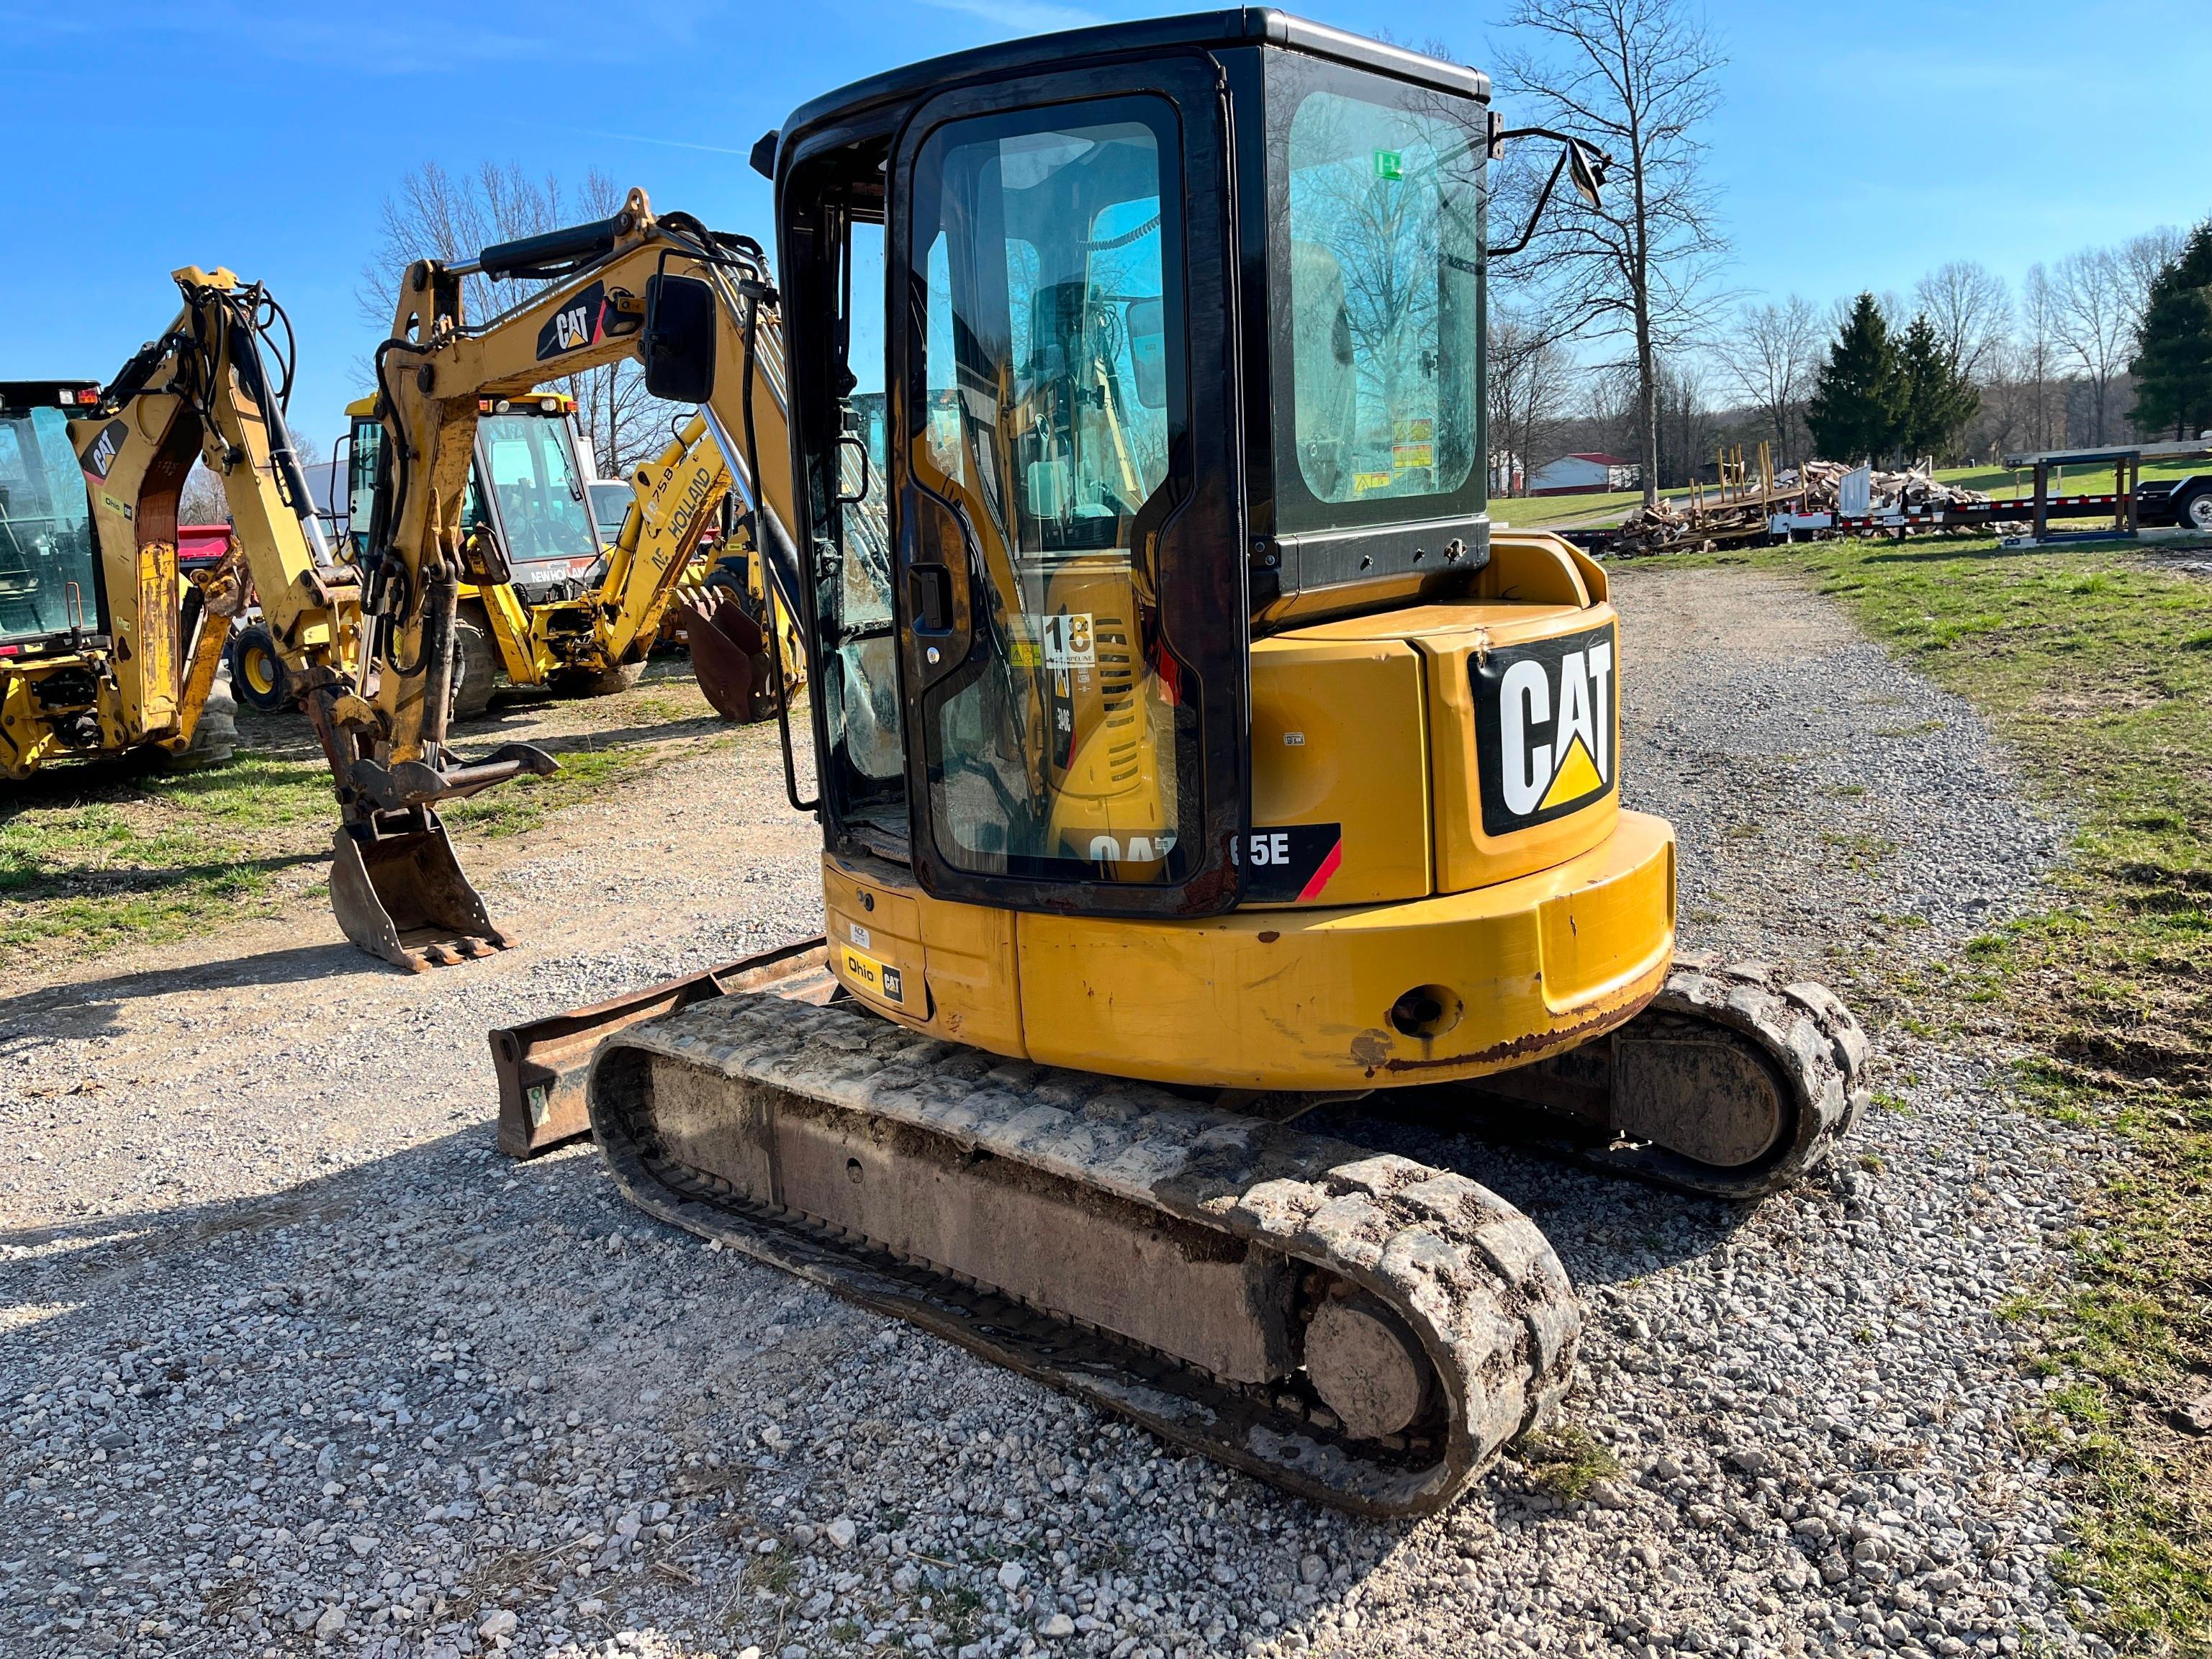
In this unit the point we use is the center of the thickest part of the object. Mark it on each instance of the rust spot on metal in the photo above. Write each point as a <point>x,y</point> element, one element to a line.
<point>1535,1046</point>
<point>1269,937</point>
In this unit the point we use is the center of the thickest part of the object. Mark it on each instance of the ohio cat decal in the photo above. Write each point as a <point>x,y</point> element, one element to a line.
<point>1545,728</point>
<point>98,457</point>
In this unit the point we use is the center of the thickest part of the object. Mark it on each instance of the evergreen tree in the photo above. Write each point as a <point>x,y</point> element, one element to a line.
<point>1937,401</point>
<point>2172,364</point>
<point>1858,402</point>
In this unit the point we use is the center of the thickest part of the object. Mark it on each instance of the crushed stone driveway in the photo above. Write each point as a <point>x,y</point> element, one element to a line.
<point>291,1362</point>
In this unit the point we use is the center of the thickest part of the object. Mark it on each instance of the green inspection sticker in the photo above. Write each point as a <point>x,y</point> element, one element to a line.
<point>1389,164</point>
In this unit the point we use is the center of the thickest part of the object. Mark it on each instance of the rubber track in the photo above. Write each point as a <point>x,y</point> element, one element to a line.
<point>1473,1276</point>
<point>1814,1042</point>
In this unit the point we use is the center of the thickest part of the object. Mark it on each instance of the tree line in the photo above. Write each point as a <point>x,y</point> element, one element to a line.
<point>2104,344</point>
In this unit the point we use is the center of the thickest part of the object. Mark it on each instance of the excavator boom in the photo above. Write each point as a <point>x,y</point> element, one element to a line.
<point>401,893</point>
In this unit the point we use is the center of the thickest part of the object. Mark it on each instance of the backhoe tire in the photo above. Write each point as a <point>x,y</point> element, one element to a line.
<point>604,682</point>
<point>475,670</point>
<point>257,675</point>
<point>215,739</point>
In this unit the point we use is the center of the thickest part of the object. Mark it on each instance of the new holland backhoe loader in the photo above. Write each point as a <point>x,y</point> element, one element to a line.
<point>1190,752</point>
<point>104,649</point>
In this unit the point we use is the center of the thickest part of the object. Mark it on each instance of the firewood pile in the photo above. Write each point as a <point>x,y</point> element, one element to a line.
<point>1677,526</point>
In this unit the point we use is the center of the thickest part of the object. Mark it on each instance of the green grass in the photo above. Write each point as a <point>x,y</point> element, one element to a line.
<point>95,858</point>
<point>518,807</point>
<point>1567,1461</point>
<point>90,858</point>
<point>2087,662</point>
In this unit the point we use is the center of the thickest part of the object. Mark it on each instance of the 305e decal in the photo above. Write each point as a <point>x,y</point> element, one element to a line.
<point>1545,728</point>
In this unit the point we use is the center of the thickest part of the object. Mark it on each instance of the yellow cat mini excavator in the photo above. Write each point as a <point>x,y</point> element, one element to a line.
<point>105,649</point>
<point>1190,752</point>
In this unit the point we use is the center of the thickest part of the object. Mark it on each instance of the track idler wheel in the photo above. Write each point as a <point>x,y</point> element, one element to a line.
<point>1733,1083</point>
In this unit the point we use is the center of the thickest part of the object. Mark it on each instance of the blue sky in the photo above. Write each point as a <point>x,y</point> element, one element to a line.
<point>1858,144</point>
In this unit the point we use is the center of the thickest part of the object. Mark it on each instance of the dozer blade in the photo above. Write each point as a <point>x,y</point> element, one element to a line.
<point>1359,1329</point>
<point>543,1067</point>
<point>399,894</point>
<point>1734,1083</point>
<point>728,655</point>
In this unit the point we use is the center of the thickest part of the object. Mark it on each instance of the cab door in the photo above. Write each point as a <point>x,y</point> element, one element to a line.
<point>1063,426</point>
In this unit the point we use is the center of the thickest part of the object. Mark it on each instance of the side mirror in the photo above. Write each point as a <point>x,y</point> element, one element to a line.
<point>1147,323</point>
<point>1586,170</point>
<point>678,343</point>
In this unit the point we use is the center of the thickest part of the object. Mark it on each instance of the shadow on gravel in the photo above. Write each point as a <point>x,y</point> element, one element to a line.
<point>1607,1228</point>
<point>87,1000</point>
<point>418,1185</point>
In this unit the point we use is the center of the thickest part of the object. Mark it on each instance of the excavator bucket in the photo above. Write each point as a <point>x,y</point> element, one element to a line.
<point>399,894</point>
<point>729,655</point>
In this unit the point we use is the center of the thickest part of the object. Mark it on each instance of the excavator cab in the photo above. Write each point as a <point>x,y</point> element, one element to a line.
<point>1152,390</point>
<point>1191,752</point>
<point>1135,384</point>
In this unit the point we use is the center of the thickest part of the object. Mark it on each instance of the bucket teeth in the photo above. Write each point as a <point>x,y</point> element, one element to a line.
<point>399,893</point>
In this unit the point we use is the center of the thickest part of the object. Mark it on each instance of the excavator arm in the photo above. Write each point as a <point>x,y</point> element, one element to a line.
<point>203,391</point>
<point>397,891</point>
<point>678,494</point>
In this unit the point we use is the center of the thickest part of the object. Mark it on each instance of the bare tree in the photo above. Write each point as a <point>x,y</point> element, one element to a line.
<point>2143,256</point>
<point>1637,78</point>
<point>437,215</point>
<point>203,499</point>
<point>1967,305</point>
<point>1770,359</point>
<point>1530,377</point>
<point>2092,319</point>
<point>2036,359</point>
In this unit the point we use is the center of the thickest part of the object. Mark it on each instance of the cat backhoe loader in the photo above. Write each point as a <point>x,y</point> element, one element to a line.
<point>105,648</point>
<point>1190,752</point>
<point>579,610</point>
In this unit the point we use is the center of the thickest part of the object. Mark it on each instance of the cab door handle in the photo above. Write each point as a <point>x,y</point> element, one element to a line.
<point>929,598</point>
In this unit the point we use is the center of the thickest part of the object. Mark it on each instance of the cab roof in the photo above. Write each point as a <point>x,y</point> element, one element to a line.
<point>48,394</point>
<point>910,83</point>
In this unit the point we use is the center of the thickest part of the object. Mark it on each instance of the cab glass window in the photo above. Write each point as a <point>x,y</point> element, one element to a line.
<point>543,508</point>
<point>1381,188</point>
<point>47,584</point>
<point>1047,246</point>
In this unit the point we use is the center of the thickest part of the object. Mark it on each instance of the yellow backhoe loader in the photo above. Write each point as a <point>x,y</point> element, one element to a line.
<point>577,610</point>
<point>1190,752</point>
<point>105,649</point>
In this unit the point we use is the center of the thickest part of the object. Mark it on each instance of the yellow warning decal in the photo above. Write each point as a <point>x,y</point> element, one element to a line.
<point>869,975</point>
<point>1577,777</point>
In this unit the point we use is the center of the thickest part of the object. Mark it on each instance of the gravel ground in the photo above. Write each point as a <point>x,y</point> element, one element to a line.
<point>293,1364</point>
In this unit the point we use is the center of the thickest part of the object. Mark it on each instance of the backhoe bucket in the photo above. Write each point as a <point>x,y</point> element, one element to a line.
<point>399,894</point>
<point>729,655</point>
